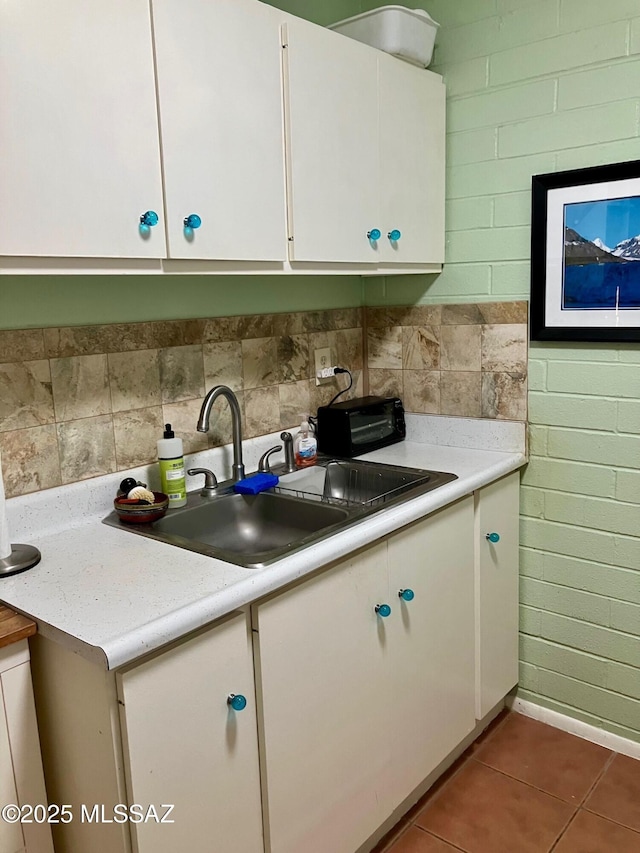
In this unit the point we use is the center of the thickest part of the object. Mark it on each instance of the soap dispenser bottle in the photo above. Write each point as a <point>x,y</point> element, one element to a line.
<point>172,474</point>
<point>305,447</point>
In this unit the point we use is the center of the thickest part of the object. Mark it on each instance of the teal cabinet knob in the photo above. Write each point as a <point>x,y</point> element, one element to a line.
<point>406,594</point>
<point>237,701</point>
<point>493,537</point>
<point>383,610</point>
<point>150,218</point>
<point>374,234</point>
<point>394,235</point>
<point>192,221</point>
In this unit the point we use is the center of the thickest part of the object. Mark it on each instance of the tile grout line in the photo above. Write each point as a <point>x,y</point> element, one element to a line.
<point>528,784</point>
<point>440,838</point>
<point>564,830</point>
<point>607,765</point>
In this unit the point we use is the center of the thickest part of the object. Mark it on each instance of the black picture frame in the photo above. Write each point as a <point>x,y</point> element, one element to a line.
<point>578,294</point>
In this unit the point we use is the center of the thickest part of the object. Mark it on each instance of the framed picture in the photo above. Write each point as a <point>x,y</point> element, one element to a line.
<point>585,254</point>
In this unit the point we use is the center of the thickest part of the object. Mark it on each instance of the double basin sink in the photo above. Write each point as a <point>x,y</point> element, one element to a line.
<point>306,506</point>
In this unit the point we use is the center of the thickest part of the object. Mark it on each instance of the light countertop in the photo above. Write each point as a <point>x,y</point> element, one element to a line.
<point>113,596</point>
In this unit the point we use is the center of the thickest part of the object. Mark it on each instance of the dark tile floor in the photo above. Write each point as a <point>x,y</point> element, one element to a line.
<point>525,787</point>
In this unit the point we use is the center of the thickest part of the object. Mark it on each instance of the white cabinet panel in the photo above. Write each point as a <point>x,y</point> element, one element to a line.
<point>365,151</point>
<point>21,775</point>
<point>332,121</point>
<point>10,833</point>
<point>322,652</point>
<point>25,751</point>
<point>432,642</point>
<point>220,103</point>
<point>79,149</point>
<point>497,592</point>
<point>412,151</point>
<point>186,746</point>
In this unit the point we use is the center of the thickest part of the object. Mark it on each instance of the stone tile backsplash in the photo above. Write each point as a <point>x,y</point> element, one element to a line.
<point>465,360</point>
<point>78,402</point>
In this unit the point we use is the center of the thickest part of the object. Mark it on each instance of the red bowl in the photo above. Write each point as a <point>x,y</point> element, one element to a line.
<point>132,512</point>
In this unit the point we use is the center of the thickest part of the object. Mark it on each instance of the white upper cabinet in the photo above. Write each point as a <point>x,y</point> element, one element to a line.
<point>411,182</point>
<point>332,159</point>
<point>140,134</point>
<point>220,105</point>
<point>79,150</point>
<point>365,136</point>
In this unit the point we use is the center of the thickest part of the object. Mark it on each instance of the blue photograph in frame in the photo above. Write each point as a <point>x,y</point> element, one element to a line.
<point>602,254</point>
<point>585,254</point>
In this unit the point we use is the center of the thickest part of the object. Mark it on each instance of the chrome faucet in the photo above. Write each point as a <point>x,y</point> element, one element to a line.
<point>236,421</point>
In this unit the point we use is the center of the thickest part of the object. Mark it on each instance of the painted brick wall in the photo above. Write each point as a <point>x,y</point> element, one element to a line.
<point>537,87</point>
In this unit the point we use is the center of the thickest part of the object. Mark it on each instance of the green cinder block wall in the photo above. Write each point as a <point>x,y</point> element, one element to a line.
<point>539,87</point>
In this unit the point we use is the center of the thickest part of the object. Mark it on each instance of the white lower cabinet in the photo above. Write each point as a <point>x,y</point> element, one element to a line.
<point>359,682</point>
<point>432,642</point>
<point>21,777</point>
<point>358,708</point>
<point>325,697</point>
<point>497,515</point>
<point>186,746</point>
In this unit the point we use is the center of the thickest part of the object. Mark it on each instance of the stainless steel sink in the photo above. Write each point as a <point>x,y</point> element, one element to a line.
<point>255,530</point>
<point>365,482</point>
<point>252,526</point>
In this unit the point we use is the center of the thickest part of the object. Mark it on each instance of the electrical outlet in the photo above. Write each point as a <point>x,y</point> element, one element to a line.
<point>322,361</point>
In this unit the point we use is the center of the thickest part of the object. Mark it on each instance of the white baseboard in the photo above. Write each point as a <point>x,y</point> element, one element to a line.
<point>617,743</point>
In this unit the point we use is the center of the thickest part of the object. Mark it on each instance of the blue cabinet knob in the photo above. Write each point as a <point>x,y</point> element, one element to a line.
<point>406,594</point>
<point>383,610</point>
<point>394,235</point>
<point>237,701</point>
<point>374,234</point>
<point>150,218</point>
<point>192,221</point>
<point>493,537</point>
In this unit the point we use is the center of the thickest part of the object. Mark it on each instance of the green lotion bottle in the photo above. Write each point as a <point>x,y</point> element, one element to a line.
<point>172,474</point>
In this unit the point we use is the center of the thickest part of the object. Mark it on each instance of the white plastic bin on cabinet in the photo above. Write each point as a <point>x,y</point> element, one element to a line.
<point>409,34</point>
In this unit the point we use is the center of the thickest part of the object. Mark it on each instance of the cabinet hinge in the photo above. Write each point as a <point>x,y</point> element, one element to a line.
<point>290,239</point>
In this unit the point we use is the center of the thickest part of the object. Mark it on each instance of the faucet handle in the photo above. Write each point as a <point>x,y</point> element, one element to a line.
<point>263,464</point>
<point>210,482</point>
<point>289,456</point>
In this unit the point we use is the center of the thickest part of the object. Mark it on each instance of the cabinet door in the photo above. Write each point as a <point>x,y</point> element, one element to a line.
<point>432,642</point>
<point>220,101</point>
<point>26,762</point>
<point>10,833</point>
<point>332,162</point>
<point>184,745</point>
<point>412,152</point>
<point>322,651</point>
<point>79,149</point>
<point>497,511</point>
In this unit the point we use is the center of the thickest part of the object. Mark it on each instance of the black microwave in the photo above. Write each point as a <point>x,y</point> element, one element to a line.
<point>359,426</point>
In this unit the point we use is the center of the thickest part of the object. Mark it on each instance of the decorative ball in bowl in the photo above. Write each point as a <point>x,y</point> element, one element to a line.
<point>133,511</point>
